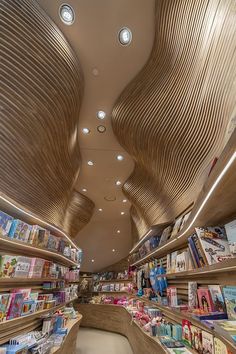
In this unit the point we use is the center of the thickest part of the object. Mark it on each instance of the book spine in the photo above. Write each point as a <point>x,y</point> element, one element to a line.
<point>199,251</point>
<point>194,251</point>
<point>192,257</point>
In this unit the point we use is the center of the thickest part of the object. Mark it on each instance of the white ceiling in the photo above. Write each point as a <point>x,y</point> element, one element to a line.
<point>93,36</point>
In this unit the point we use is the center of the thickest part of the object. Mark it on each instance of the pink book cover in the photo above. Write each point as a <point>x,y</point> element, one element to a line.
<point>26,293</point>
<point>205,300</point>
<point>15,307</point>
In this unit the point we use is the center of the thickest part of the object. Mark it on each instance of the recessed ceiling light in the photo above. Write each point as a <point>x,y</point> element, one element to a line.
<point>86,130</point>
<point>118,231</point>
<point>122,213</point>
<point>95,71</point>
<point>84,190</point>
<point>101,115</point>
<point>101,129</point>
<point>118,183</point>
<point>92,260</point>
<point>125,36</point>
<point>100,209</point>
<point>124,200</point>
<point>120,157</point>
<point>113,250</point>
<point>67,14</point>
<point>90,163</point>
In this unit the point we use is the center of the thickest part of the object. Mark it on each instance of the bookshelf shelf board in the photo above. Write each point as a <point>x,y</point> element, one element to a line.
<point>215,204</point>
<point>114,281</point>
<point>27,280</point>
<point>11,246</point>
<point>113,292</point>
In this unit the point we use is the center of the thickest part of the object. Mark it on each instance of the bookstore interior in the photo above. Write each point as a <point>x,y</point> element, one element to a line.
<point>118,177</point>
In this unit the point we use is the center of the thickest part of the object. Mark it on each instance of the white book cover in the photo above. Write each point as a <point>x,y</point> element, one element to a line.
<point>230,229</point>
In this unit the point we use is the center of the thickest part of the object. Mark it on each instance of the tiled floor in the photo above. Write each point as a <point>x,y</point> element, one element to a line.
<point>93,341</point>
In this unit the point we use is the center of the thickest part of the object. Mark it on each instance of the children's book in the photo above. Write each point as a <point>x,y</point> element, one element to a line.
<point>192,295</point>
<point>172,296</point>
<point>214,244</point>
<point>36,268</point>
<point>4,303</point>
<point>207,343</point>
<point>185,219</point>
<point>176,227</point>
<point>28,307</point>
<point>15,308</point>
<point>186,333</point>
<point>25,292</point>
<point>227,329</point>
<point>230,229</point>
<point>33,237</point>
<point>22,267</point>
<point>168,263</point>
<point>182,262</point>
<point>220,347</point>
<point>196,338</point>
<point>5,223</point>
<point>20,230</point>
<point>204,300</point>
<point>173,261</point>
<point>230,301</point>
<point>43,237</point>
<point>165,235</point>
<point>217,298</point>
<point>8,266</point>
<point>53,243</point>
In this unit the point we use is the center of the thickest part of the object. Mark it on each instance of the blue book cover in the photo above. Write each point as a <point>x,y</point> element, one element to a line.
<point>230,301</point>
<point>194,250</point>
<point>5,223</point>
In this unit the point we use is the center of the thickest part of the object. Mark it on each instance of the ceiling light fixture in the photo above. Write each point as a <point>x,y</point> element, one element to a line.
<point>120,157</point>
<point>100,209</point>
<point>90,163</point>
<point>67,14</point>
<point>122,213</point>
<point>118,231</point>
<point>101,129</point>
<point>92,260</point>
<point>118,183</point>
<point>124,200</point>
<point>101,115</point>
<point>84,190</point>
<point>113,250</point>
<point>125,36</point>
<point>86,130</point>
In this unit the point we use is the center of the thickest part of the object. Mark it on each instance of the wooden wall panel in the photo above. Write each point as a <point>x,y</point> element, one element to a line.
<point>40,98</point>
<point>172,117</point>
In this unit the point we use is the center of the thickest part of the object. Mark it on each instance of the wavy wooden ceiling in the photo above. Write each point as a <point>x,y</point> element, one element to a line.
<point>40,98</point>
<point>172,117</point>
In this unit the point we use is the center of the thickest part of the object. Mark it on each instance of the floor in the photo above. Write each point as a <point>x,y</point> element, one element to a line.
<point>93,341</point>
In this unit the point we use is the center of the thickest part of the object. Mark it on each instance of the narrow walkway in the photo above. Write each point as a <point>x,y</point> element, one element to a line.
<point>93,341</point>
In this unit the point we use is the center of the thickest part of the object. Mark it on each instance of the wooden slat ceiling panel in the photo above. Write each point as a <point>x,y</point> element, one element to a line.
<point>172,117</point>
<point>40,98</point>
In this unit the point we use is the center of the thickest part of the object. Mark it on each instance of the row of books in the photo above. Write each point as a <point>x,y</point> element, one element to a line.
<point>27,267</point>
<point>36,236</point>
<point>114,287</point>
<point>21,302</point>
<point>111,276</point>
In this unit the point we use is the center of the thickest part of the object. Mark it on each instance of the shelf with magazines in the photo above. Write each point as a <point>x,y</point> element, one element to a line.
<point>115,280</point>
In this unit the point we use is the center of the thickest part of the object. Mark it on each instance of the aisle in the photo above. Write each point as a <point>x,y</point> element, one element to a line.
<point>93,341</point>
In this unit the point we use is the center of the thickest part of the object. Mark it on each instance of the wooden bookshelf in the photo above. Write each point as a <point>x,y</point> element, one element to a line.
<point>113,292</point>
<point>115,281</point>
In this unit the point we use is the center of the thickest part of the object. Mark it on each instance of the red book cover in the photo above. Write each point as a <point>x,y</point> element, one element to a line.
<point>204,300</point>
<point>186,332</point>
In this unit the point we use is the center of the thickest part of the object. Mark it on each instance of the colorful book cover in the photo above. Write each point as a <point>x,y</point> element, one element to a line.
<point>196,339</point>
<point>8,266</point>
<point>43,237</point>
<point>186,333</point>
<point>173,261</point>
<point>20,230</point>
<point>34,234</point>
<point>28,307</point>
<point>4,302</point>
<point>227,329</point>
<point>15,308</point>
<point>214,244</point>
<point>194,251</point>
<point>36,268</point>
<point>220,347</point>
<point>230,301</point>
<point>192,295</point>
<point>217,298</point>
<point>230,229</point>
<point>207,343</point>
<point>22,267</point>
<point>5,223</point>
<point>165,235</point>
<point>25,292</point>
<point>201,255</point>
<point>204,300</point>
<point>53,243</point>
<point>172,296</point>
<point>182,262</point>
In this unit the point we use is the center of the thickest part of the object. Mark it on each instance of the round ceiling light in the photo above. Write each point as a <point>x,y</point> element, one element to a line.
<point>125,36</point>
<point>101,129</point>
<point>118,183</point>
<point>67,14</point>
<point>92,260</point>
<point>113,250</point>
<point>86,130</point>
<point>122,213</point>
<point>120,157</point>
<point>118,231</point>
<point>90,163</point>
<point>101,115</point>
<point>84,190</point>
<point>124,200</point>
<point>100,209</point>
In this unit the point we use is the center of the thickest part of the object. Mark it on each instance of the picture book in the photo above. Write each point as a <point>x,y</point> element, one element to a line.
<point>22,267</point>
<point>230,301</point>
<point>182,262</point>
<point>36,268</point>
<point>192,295</point>
<point>204,300</point>
<point>20,230</point>
<point>185,219</point>
<point>207,343</point>
<point>168,263</point>
<point>173,261</point>
<point>15,307</point>
<point>201,255</point>
<point>172,296</point>
<point>53,243</point>
<point>176,227</point>
<point>4,302</point>
<point>214,244</point>
<point>186,333</point>
<point>33,296</point>
<point>227,329</point>
<point>33,237</point>
<point>217,298</point>
<point>8,266</point>
<point>230,229</point>
<point>5,223</point>
<point>28,307</point>
<point>220,347</point>
<point>43,237</point>
<point>196,338</point>
<point>25,292</point>
<point>165,235</point>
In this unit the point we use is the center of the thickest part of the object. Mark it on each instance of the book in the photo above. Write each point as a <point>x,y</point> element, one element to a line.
<point>207,343</point>
<point>165,235</point>
<point>186,333</point>
<point>25,292</point>
<point>20,230</point>
<point>168,263</point>
<point>4,300</point>
<point>5,223</point>
<point>201,255</point>
<point>53,243</point>
<point>230,301</point>
<point>173,261</point>
<point>176,227</point>
<point>34,234</point>
<point>185,219</point>
<point>217,298</point>
<point>172,296</point>
<point>42,238</point>
<point>8,266</point>
<point>227,329</point>
<point>230,229</point>
<point>36,268</point>
<point>204,300</point>
<point>220,347</point>
<point>192,295</point>
<point>182,262</point>
<point>214,244</point>
<point>194,251</point>
<point>15,307</point>
<point>196,336</point>
<point>22,267</point>
<point>28,307</point>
